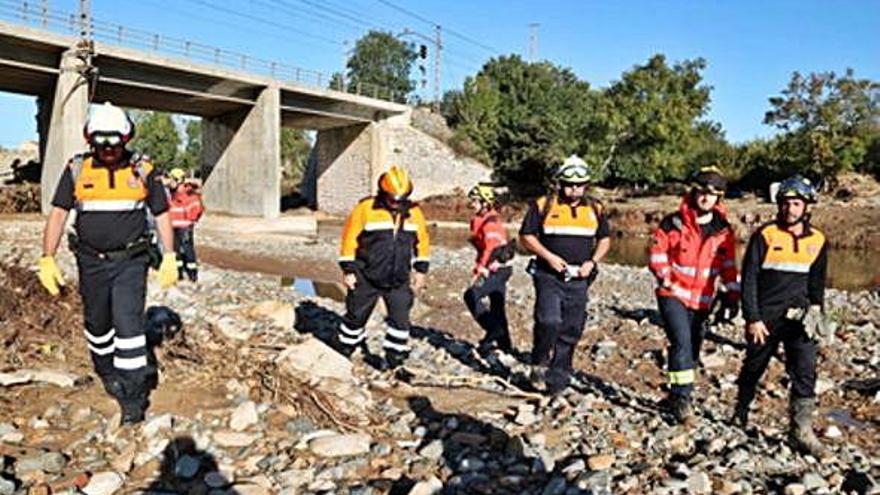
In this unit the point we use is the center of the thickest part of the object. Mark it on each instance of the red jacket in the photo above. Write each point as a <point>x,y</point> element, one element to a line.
<point>487,234</point>
<point>185,206</point>
<point>687,263</point>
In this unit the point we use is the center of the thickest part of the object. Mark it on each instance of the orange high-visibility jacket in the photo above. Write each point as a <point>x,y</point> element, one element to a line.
<point>690,261</point>
<point>384,246</point>
<point>487,234</point>
<point>185,207</point>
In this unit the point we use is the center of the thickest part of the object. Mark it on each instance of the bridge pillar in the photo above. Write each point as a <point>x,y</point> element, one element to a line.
<point>63,136</point>
<point>345,164</point>
<point>241,159</point>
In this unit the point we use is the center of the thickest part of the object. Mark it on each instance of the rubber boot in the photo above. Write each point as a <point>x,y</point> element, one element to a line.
<point>133,410</point>
<point>680,406</point>
<point>393,360</point>
<point>800,432</point>
<point>744,400</point>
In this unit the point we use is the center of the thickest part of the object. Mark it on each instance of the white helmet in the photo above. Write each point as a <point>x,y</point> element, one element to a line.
<point>573,170</point>
<point>108,119</point>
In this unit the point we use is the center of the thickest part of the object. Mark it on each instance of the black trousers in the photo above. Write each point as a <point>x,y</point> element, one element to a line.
<point>685,329</point>
<point>113,295</point>
<point>185,247</point>
<point>800,360</point>
<point>359,305</point>
<point>560,314</point>
<point>492,318</point>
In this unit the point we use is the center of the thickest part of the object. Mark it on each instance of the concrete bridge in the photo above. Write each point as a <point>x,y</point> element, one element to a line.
<point>242,114</point>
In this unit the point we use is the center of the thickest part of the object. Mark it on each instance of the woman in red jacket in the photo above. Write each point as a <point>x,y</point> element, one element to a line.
<point>491,271</point>
<point>690,249</point>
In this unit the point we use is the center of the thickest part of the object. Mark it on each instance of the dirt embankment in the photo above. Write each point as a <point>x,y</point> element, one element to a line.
<point>850,218</point>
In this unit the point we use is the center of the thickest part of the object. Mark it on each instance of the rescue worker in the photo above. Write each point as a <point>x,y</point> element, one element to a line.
<point>385,238</point>
<point>185,209</point>
<point>691,248</point>
<point>783,277</point>
<point>568,233</point>
<point>491,270</point>
<point>110,187</point>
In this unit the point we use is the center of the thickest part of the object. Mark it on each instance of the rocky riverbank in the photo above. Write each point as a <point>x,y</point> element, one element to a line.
<point>253,400</point>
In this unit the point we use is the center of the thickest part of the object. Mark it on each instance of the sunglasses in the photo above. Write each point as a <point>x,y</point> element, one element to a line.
<point>574,184</point>
<point>106,140</point>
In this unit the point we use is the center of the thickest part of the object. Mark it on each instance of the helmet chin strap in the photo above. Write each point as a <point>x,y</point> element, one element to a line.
<point>781,219</point>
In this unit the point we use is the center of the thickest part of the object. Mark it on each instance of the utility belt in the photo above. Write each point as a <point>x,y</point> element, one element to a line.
<point>140,247</point>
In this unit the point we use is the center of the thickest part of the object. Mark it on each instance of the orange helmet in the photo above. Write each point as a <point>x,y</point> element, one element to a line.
<point>395,183</point>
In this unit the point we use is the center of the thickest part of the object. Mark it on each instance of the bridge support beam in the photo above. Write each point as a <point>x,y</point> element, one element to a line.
<point>337,176</point>
<point>66,110</point>
<point>241,158</point>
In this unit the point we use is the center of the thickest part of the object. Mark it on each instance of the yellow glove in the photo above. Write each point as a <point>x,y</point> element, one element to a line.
<point>50,275</point>
<point>168,270</point>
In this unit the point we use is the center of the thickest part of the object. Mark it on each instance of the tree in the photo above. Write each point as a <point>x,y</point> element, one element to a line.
<point>191,158</point>
<point>523,117</point>
<point>295,149</point>
<point>156,136</point>
<point>828,122</point>
<point>647,128</point>
<point>380,64</point>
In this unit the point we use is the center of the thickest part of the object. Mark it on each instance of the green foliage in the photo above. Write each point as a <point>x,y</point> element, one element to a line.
<point>380,62</point>
<point>156,135</point>
<point>295,149</point>
<point>523,117</point>
<point>829,122</point>
<point>648,125</point>
<point>191,157</point>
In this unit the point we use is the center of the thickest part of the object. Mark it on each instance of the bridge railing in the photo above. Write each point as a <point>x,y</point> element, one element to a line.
<point>39,14</point>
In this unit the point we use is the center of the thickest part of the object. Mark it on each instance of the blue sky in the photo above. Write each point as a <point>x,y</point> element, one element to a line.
<point>751,46</point>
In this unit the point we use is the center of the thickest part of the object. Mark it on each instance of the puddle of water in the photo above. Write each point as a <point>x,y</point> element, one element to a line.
<point>314,288</point>
<point>844,417</point>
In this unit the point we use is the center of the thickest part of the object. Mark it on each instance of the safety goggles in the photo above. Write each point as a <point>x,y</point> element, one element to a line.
<point>106,140</point>
<point>570,174</point>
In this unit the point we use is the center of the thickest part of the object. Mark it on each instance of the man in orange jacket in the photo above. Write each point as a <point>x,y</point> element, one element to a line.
<point>491,271</point>
<point>384,253</point>
<point>690,249</point>
<point>185,209</point>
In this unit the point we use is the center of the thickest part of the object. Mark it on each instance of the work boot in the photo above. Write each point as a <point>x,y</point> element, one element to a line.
<point>800,433</point>
<point>392,361</point>
<point>680,406</point>
<point>132,412</point>
<point>741,410</point>
<point>538,377</point>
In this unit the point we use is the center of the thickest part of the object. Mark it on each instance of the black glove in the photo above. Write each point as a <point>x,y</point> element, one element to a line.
<point>728,310</point>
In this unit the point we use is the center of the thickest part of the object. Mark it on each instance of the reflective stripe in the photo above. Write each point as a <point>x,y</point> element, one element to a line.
<point>410,227</point>
<point>129,363</point>
<point>131,342</point>
<point>181,223</point>
<point>370,226</point>
<point>415,260</point>
<point>387,344</point>
<point>690,271</point>
<point>111,205</point>
<point>566,230</point>
<point>102,339</point>
<point>683,377</point>
<point>192,266</point>
<point>345,258</point>
<point>180,263</point>
<point>495,235</point>
<point>663,271</point>
<point>354,332</point>
<point>787,267</point>
<point>732,286</point>
<point>711,272</point>
<point>659,258</point>
<point>351,340</point>
<point>679,291</point>
<point>397,334</point>
<point>102,351</point>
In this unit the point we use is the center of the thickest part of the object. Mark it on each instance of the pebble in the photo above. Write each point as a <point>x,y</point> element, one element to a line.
<point>244,416</point>
<point>600,462</point>
<point>341,445</point>
<point>234,438</point>
<point>49,462</point>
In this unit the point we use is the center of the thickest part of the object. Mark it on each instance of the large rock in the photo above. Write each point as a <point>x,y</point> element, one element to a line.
<point>316,364</point>
<point>280,313</point>
<point>244,416</point>
<point>106,483</point>
<point>341,445</point>
<point>54,377</point>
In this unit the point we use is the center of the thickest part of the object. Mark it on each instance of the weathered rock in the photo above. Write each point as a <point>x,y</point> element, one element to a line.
<point>699,483</point>
<point>156,424</point>
<point>795,489</point>
<point>7,487</point>
<point>53,377</point>
<point>600,462</point>
<point>279,313</point>
<point>234,438</point>
<point>430,486</point>
<point>49,462</point>
<point>432,451</point>
<point>244,416</point>
<point>106,483</point>
<point>250,489</point>
<point>341,445</point>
